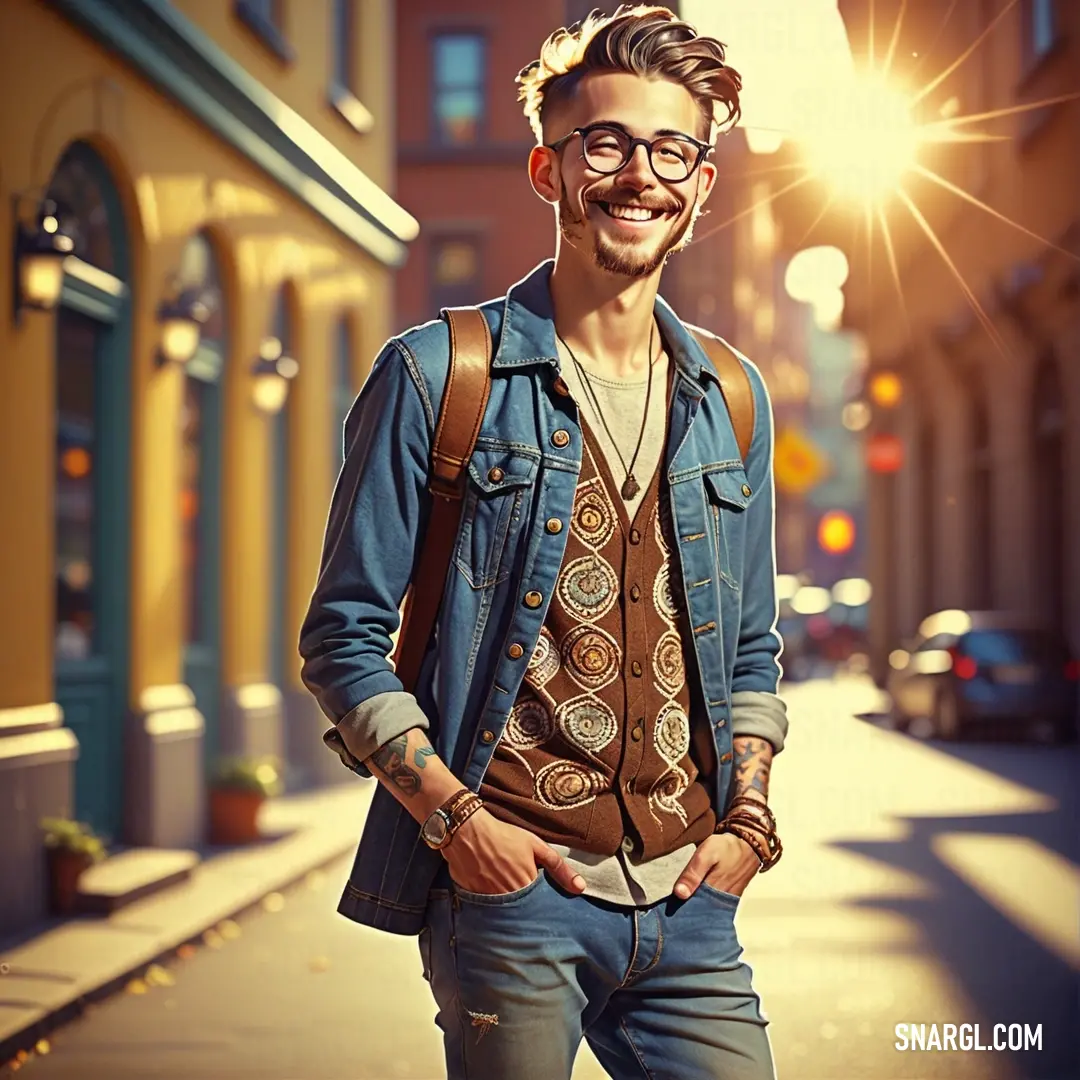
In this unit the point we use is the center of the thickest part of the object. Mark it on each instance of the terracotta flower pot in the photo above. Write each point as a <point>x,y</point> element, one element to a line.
<point>234,815</point>
<point>65,869</point>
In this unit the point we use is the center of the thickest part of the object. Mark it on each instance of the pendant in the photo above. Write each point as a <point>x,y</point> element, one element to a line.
<point>630,487</point>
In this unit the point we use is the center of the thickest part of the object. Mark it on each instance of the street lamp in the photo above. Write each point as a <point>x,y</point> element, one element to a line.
<point>272,372</point>
<point>39,258</point>
<point>180,321</point>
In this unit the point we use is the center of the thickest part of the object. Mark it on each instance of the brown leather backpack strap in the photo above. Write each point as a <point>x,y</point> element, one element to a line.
<point>464,401</point>
<point>734,385</point>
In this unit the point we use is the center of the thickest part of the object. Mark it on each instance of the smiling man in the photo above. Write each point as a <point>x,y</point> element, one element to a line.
<point>574,799</point>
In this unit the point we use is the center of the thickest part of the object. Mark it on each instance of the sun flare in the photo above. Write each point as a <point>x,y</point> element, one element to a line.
<point>860,136</point>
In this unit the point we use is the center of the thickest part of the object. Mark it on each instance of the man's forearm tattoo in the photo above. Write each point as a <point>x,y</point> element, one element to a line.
<point>391,758</point>
<point>422,753</point>
<point>753,760</point>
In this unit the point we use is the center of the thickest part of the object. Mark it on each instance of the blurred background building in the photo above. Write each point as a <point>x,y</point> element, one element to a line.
<point>203,271</point>
<point>973,391</point>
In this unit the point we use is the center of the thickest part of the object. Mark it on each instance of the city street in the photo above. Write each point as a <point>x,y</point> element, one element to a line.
<point>921,883</point>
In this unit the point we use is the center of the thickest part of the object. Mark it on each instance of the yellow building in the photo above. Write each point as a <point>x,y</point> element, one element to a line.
<point>202,167</point>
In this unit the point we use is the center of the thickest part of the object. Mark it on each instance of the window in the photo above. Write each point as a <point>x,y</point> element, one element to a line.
<point>458,106</point>
<point>343,31</point>
<point>77,487</point>
<point>266,19</point>
<point>1040,21</point>
<point>456,278</point>
<point>267,10</point>
<point>579,10</point>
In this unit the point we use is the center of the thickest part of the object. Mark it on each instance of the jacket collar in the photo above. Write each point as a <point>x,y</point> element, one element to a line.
<point>527,336</point>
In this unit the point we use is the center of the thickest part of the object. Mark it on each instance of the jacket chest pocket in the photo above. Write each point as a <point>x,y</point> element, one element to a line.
<point>497,491</point>
<point>728,495</point>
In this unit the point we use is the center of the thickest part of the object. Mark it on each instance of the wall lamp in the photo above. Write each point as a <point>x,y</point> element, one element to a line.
<point>180,321</point>
<point>272,372</point>
<point>40,251</point>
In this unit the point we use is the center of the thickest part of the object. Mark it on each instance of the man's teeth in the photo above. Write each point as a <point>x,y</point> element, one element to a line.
<point>631,213</point>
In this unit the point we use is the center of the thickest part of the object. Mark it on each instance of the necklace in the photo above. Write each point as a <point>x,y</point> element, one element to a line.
<point>630,486</point>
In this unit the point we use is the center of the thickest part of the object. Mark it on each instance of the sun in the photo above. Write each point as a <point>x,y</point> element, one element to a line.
<point>860,137</point>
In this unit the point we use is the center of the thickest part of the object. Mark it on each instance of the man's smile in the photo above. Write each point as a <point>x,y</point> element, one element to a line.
<point>633,215</point>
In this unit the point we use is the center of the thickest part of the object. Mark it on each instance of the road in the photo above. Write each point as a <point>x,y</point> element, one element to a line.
<point>921,883</point>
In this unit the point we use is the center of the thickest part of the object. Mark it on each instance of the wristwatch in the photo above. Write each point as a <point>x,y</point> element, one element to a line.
<point>441,824</point>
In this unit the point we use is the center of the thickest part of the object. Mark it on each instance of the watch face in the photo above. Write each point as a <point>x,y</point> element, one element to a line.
<point>434,830</point>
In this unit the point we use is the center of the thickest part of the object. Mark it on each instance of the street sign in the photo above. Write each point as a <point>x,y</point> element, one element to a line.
<point>798,465</point>
<point>884,453</point>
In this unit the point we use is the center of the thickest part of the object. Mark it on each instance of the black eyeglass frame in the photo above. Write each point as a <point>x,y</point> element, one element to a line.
<point>702,149</point>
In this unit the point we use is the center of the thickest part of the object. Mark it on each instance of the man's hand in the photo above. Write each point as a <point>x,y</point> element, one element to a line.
<point>489,856</point>
<point>723,861</point>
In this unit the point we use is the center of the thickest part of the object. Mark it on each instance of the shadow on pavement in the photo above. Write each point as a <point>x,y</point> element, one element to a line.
<point>1008,975</point>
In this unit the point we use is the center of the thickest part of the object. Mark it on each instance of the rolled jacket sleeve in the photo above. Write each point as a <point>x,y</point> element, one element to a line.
<point>763,715</point>
<point>375,529</point>
<point>757,671</point>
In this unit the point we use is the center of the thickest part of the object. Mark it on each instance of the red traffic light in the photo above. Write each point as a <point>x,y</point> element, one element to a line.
<point>884,453</point>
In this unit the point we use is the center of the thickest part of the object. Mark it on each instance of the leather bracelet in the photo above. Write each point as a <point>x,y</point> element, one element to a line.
<point>753,821</point>
<point>768,848</point>
<point>756,806</point>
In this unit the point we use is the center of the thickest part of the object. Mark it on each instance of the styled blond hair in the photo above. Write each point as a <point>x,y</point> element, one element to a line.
<point>646,40</point>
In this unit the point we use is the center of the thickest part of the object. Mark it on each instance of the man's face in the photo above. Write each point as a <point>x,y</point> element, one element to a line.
<point>643,107</point>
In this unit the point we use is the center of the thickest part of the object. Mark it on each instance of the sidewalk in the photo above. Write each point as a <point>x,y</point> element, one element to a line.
<point>46,980</point>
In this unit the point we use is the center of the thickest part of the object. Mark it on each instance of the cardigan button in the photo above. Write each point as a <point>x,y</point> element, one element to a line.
<point>561,439</point>
<point>635,667</point>
<point>635,536</point>
<point>635,593</point>
<point>637,733</point>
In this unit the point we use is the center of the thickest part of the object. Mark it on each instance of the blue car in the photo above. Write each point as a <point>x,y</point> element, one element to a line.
<point>969,668</point>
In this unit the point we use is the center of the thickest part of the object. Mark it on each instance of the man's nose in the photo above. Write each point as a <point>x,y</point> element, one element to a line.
<point>637,171</point>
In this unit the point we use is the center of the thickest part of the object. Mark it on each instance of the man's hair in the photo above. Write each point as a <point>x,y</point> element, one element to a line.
<point>639,39</point>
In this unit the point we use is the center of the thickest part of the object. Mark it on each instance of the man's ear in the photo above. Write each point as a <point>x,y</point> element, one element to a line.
<point>544,174</point>
<point>706,179</point>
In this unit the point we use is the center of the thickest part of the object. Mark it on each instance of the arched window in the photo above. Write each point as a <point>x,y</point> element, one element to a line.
<point>1048,454</point>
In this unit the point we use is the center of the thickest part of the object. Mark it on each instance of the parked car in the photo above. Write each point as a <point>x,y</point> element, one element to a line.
<point>966,668</point>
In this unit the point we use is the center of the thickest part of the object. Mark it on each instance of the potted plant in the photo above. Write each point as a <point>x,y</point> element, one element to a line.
<point>70,848</point>
<point>238,789</point>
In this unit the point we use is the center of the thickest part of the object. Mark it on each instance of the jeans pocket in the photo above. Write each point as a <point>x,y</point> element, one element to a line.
<point>498,899</point>
<point>728,899</point>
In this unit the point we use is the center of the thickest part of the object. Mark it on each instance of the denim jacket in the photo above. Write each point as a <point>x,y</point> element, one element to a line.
<point>723,512</point>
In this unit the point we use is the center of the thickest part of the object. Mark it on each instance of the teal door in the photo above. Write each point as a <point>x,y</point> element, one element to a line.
<point>92,501</point>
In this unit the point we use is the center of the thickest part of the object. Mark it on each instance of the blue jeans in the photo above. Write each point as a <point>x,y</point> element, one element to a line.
<point>658,992</point>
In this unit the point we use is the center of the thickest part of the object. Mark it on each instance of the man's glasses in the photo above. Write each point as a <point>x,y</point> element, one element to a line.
<point>607,149</point>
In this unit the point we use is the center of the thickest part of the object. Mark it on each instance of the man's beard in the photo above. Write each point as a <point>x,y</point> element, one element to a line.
<point>624,258</point>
